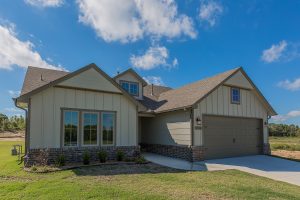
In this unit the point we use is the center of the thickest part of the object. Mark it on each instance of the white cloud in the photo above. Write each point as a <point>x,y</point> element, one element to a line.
<point>133,19</point>
<point>156,80</point>
<point>210,11</point>
<point>45,3</point>
<point>16,52</point>
<point>282,118</point>
<point>290,85</point>
<point>275,52</point>
<point>153,57</point>
<point>14,93</point>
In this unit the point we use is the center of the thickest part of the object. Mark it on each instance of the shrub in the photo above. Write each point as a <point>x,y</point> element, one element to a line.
<point>33,168</point>
<point>140,160</point>
<point>60,160</point>
<point>120,155</point>
<point>102,155</point>
<point>86,158</point>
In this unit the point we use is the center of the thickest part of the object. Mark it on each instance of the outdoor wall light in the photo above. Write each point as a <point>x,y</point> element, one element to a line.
<point>198,121</point>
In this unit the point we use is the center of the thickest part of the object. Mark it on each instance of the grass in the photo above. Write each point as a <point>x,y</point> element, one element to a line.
<point>285,143</point>
<point>135,182</point>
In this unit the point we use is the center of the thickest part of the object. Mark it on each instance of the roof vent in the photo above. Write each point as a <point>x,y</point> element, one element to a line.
<point>42,77</point>
<point>152,89</point>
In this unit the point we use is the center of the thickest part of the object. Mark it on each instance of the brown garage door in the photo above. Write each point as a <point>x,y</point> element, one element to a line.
<point>229,136</point>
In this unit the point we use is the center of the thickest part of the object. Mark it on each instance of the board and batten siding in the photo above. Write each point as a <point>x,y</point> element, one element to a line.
<point>45,114</point>
<point>219,103</point>
<point>172,128</point>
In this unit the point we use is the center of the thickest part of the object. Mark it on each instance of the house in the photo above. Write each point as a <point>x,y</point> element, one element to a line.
<point>87,110</point>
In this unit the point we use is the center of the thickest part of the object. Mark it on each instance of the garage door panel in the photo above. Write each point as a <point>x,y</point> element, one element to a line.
<point>229,137</point>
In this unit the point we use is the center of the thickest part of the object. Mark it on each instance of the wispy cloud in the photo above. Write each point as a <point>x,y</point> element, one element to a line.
<point>14,52</point>
<point>13,110</point>
<point>289,115</point>
<point>156,80</point>
<point>131,20</point>
<point>210,11</point>
<point>153,57</point>
<point>275,52</point>
<point>14,93</point>
<point>45,3</point>
<point>283,51</point>
<point>290,85</point>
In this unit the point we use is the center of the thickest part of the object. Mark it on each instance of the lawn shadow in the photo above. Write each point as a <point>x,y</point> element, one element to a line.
<point>119,169</point>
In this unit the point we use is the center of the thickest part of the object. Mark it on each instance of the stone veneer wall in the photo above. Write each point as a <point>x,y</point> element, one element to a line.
<point>190,153</point>
<point>75,154</point>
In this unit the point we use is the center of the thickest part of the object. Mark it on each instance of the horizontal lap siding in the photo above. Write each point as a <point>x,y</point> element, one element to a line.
<point>219,103</point>
<point>45,124</point>
<point>173,128</point>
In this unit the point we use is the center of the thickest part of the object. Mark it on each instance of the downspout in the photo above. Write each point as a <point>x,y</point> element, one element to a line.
<point>26,123</point>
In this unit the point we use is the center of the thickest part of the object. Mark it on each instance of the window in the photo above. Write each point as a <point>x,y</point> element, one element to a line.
<point>108,123</point>
<point>70,128</point>
<point>235,95</point>
<point>130,87</point>
<point>90,128</point>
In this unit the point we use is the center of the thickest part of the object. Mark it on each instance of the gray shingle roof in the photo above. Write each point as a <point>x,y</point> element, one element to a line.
<point>37,77</point>
<point>187,95</point>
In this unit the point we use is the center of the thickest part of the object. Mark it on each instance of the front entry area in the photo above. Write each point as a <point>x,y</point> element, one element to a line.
<point>231,136</point>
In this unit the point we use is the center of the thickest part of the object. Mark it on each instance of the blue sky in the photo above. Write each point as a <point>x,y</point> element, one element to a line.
<point>167,42</point>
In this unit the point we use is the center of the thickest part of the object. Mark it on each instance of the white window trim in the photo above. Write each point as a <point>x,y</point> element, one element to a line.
<point>130,83</point>
<point>114,129</point>
<point>78,134</point>
<point>82,129</point>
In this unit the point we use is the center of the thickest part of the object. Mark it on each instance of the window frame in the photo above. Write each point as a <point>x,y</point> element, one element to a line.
<point>114,128</point>
<point>82,128</point>
<point>130,83</point>
<point>63,127</point>
<point>80,134</point>
<point>231,95</point>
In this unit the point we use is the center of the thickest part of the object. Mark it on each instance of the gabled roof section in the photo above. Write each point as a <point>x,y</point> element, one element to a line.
<point>130,70</point>
<point>37,77</point>
<point>190,94</point>
<point>62,76</point>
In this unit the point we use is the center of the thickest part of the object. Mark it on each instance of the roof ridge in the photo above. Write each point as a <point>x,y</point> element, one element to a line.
<point>34,67</point>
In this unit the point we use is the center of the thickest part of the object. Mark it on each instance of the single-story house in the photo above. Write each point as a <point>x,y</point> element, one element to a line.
<point>87,110</point>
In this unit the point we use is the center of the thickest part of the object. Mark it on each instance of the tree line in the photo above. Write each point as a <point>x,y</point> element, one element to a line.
<point>284,130</point>
<point>12,124</point>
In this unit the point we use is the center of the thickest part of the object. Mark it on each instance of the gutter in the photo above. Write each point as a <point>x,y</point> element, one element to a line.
<point>26,123</point>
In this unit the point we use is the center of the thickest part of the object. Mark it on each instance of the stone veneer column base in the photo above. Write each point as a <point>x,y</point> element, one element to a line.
<point>73,155</point>
<point>185,152</point>
<point>266,149</point>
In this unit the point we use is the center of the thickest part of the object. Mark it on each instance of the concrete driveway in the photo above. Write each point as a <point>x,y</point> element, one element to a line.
<point>266,166</point>
<point>261,165</point>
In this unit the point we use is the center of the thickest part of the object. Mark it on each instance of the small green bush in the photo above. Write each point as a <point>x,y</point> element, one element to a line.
<point>140,160</point>
<point>120,155</point>
<point>86,158</point>
<point>287,147</point>
<point>60,160</point>
<point>102,155</point>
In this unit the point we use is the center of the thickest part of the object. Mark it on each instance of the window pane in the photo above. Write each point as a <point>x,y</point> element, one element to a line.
<point>70,128</point>
<point>125,86</point>
<point>90,128</point>
<point>108,120</point>
<point>133,88</point>
<point>235,95</point>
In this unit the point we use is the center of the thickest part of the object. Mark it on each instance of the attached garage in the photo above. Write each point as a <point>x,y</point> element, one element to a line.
<point>231,136</point>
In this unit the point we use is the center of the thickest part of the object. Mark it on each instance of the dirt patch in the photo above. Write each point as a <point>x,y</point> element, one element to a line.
<point>11,138</point>
<point>287,154</point>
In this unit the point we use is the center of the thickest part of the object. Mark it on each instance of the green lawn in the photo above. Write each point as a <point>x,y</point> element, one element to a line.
<point>285,143</point>
<point>135,182</point>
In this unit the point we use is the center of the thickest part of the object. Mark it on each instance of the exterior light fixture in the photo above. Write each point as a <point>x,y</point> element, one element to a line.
<point>198,121</point>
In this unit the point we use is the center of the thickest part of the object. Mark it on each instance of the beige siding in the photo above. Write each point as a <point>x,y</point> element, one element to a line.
<point>219,103</point>
<point>45,124</point>
<point>173,128</point>
<point>90,79</point>
<point>239,80</point>
<point>131,78</point>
